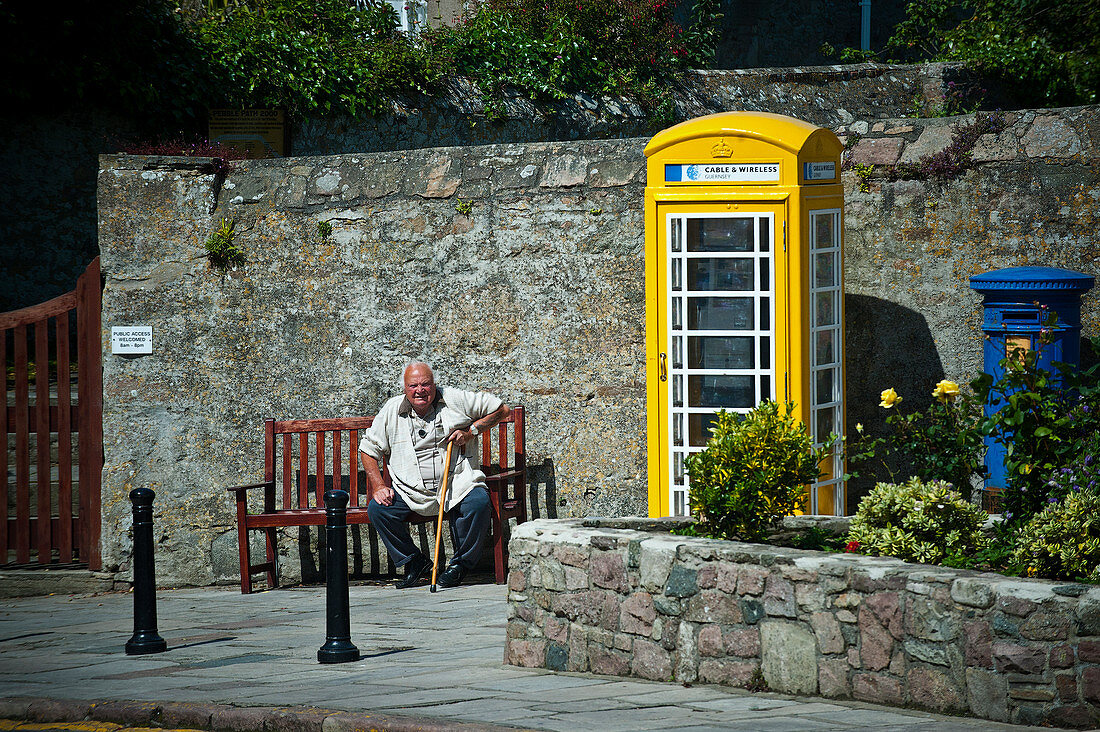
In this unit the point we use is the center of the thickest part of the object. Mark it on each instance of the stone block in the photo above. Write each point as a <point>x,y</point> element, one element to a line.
<point>655,559</point>
<point>557,657</point>
<point>933,138</point>
<point>682,582</point>
<point>686,656</point>
<point>651,661</point>
<point>1076,716</point>
<point>1088,617</point>
<point>573,556</point>
<point>809,597</point>
<point>603,660</point>
<point>551,576</point>
<point>1061,656</point>
<point>1066,684</point>
<point>876,643</point>
<point>744,643</point>
<point>779,598</point>
<point>235,719</point>
<point>667,605</point>
<point>930,620</point>
<point>1051,137</point>
<point>1013,658</point>
<point>707,577</point>
<point>726,581</point>
<point>638,614</point>
<point>978,644</point>
<point>726,672</point>
<point>972,592</point>
<point>987,694</point>
<point>1030,693</point>
<point>1090,684</point>
<point>526,653</point>
<point>751,579</point>
<point>832,678</point>
<point>751,610</point>
<point>575,579</point>
<point>556,629</point>
<point>517,580</point>
<point>1004,627</point>
<point>58,710</point>
<point>1021,607</point>
<point>711,606</point>
<point>565,170</point>
<point>827,630</point>
<point>1046,626</point>
<point>934,689</point>
<point>1088,651</point>
<point>934,653</point>
<point>711,641</point>
<point>607,569</point>
<point>578,648</point>
<point>877,151</point>
<point>878,689</point>
<point>886,609</point>
<point>788,657</point>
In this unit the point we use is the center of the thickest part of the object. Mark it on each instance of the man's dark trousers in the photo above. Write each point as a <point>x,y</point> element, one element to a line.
<point>469,525</point>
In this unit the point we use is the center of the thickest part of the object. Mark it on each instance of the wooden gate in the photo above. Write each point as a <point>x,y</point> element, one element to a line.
<point>47,512</point>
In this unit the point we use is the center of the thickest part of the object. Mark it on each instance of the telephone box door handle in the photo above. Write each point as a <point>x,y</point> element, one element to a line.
<point>664,367</point>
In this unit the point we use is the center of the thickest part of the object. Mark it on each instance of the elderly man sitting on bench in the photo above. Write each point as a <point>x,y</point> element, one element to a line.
<point>411,432</point>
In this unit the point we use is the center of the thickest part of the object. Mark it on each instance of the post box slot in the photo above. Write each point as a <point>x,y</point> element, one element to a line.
<point>1021,317</point>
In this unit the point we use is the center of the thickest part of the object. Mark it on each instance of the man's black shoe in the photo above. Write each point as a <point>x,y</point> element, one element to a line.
<point>452,576</point>
<point>416,569</point>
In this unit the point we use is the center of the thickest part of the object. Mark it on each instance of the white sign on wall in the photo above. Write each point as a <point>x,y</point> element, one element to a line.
<point>132,340</point>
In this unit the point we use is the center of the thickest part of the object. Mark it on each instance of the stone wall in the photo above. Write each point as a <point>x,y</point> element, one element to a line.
<point>633,603</point>
<point>516,268</point>
<point>50,160</point>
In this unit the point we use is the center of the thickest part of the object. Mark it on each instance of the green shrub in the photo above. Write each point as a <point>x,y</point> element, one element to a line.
<point>752,473</point>
<point>917,521</point>
<point>1062,541</point>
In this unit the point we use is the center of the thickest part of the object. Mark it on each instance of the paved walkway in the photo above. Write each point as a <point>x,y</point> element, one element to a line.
<point>430,661</point>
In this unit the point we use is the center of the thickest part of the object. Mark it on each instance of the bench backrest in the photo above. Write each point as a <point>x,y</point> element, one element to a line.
<point>301,454</point>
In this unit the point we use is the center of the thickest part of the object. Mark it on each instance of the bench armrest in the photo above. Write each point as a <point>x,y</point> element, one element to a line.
<point>239,488</point>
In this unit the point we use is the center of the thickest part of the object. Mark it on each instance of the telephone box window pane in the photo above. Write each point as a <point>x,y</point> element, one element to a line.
<point>825,423</point>
<point>713,352</point>
<point>765,352</point>
<point>677,390</point>
<point>720,313</point>
<point>719,235</point>
<point>824,352</point>
<point>678,468</point>
<point>677,319</point>
<point>765,234</point>
<point>677,234</point>
<point>699,426</point>
<point>678,429</point>
<point>765,313</point>
<point>765,278</point>
<point>721,391</point>
<point>765,387</point>
<point>678,352</point>
<point>676,267</point>
<point>826,386</point>
<point>823,231</point>
<point>825,308</point>
<point>720,274</point>
<point>824,271</point>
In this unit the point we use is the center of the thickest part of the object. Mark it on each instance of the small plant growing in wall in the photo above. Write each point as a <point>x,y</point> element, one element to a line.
<point>464,207</point>
<point>324,230</point>
<point>221,248</point>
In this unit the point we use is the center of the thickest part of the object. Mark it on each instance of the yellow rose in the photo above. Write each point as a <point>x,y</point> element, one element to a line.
<point>946,391</point>
<point>889,398</point>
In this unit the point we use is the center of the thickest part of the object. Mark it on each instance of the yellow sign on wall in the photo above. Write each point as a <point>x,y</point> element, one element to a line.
<point>259,133</point>
<point>744,292</point>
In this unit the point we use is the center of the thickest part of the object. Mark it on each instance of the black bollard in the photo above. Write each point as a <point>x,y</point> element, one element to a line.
<point>145,638</point>
<point>338,647</point>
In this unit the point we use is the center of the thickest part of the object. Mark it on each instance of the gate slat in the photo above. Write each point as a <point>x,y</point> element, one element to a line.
<point>42,434</point>
<point>5,497</point>
<point>22,450</point>
<point>89,301</point>
<point>64,444</point>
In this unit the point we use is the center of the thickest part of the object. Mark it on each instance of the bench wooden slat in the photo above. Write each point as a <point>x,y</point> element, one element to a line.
<point>505,470</point>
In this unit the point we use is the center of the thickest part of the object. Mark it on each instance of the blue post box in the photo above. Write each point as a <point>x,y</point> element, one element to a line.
<point>1014,317</point>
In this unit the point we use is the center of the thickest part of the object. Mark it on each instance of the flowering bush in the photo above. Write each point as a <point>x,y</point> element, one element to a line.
<point>753,472</point>
<point>942,443</point>
<point>1042,418</point>
<point>916,521</point>
<point>1063,540</point>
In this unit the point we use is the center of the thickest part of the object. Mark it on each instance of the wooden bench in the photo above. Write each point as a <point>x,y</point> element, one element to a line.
<point>304,458</point>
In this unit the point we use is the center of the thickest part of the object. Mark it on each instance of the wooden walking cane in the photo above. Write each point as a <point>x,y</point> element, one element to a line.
<point>442,502</point>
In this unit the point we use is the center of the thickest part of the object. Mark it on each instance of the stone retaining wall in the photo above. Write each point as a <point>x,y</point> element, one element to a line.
<point>635,603</point>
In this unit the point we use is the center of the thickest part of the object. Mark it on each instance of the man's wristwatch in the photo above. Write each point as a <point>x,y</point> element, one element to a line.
<point>474,431</point>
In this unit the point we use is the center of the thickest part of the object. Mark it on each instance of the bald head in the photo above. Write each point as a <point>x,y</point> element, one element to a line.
<point>419,384</point>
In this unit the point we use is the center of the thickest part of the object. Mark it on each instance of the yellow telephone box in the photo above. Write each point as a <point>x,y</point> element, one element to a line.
<point>744,291</point>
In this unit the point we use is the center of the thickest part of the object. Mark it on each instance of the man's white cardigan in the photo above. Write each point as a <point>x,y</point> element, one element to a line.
<point>390,438</point>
